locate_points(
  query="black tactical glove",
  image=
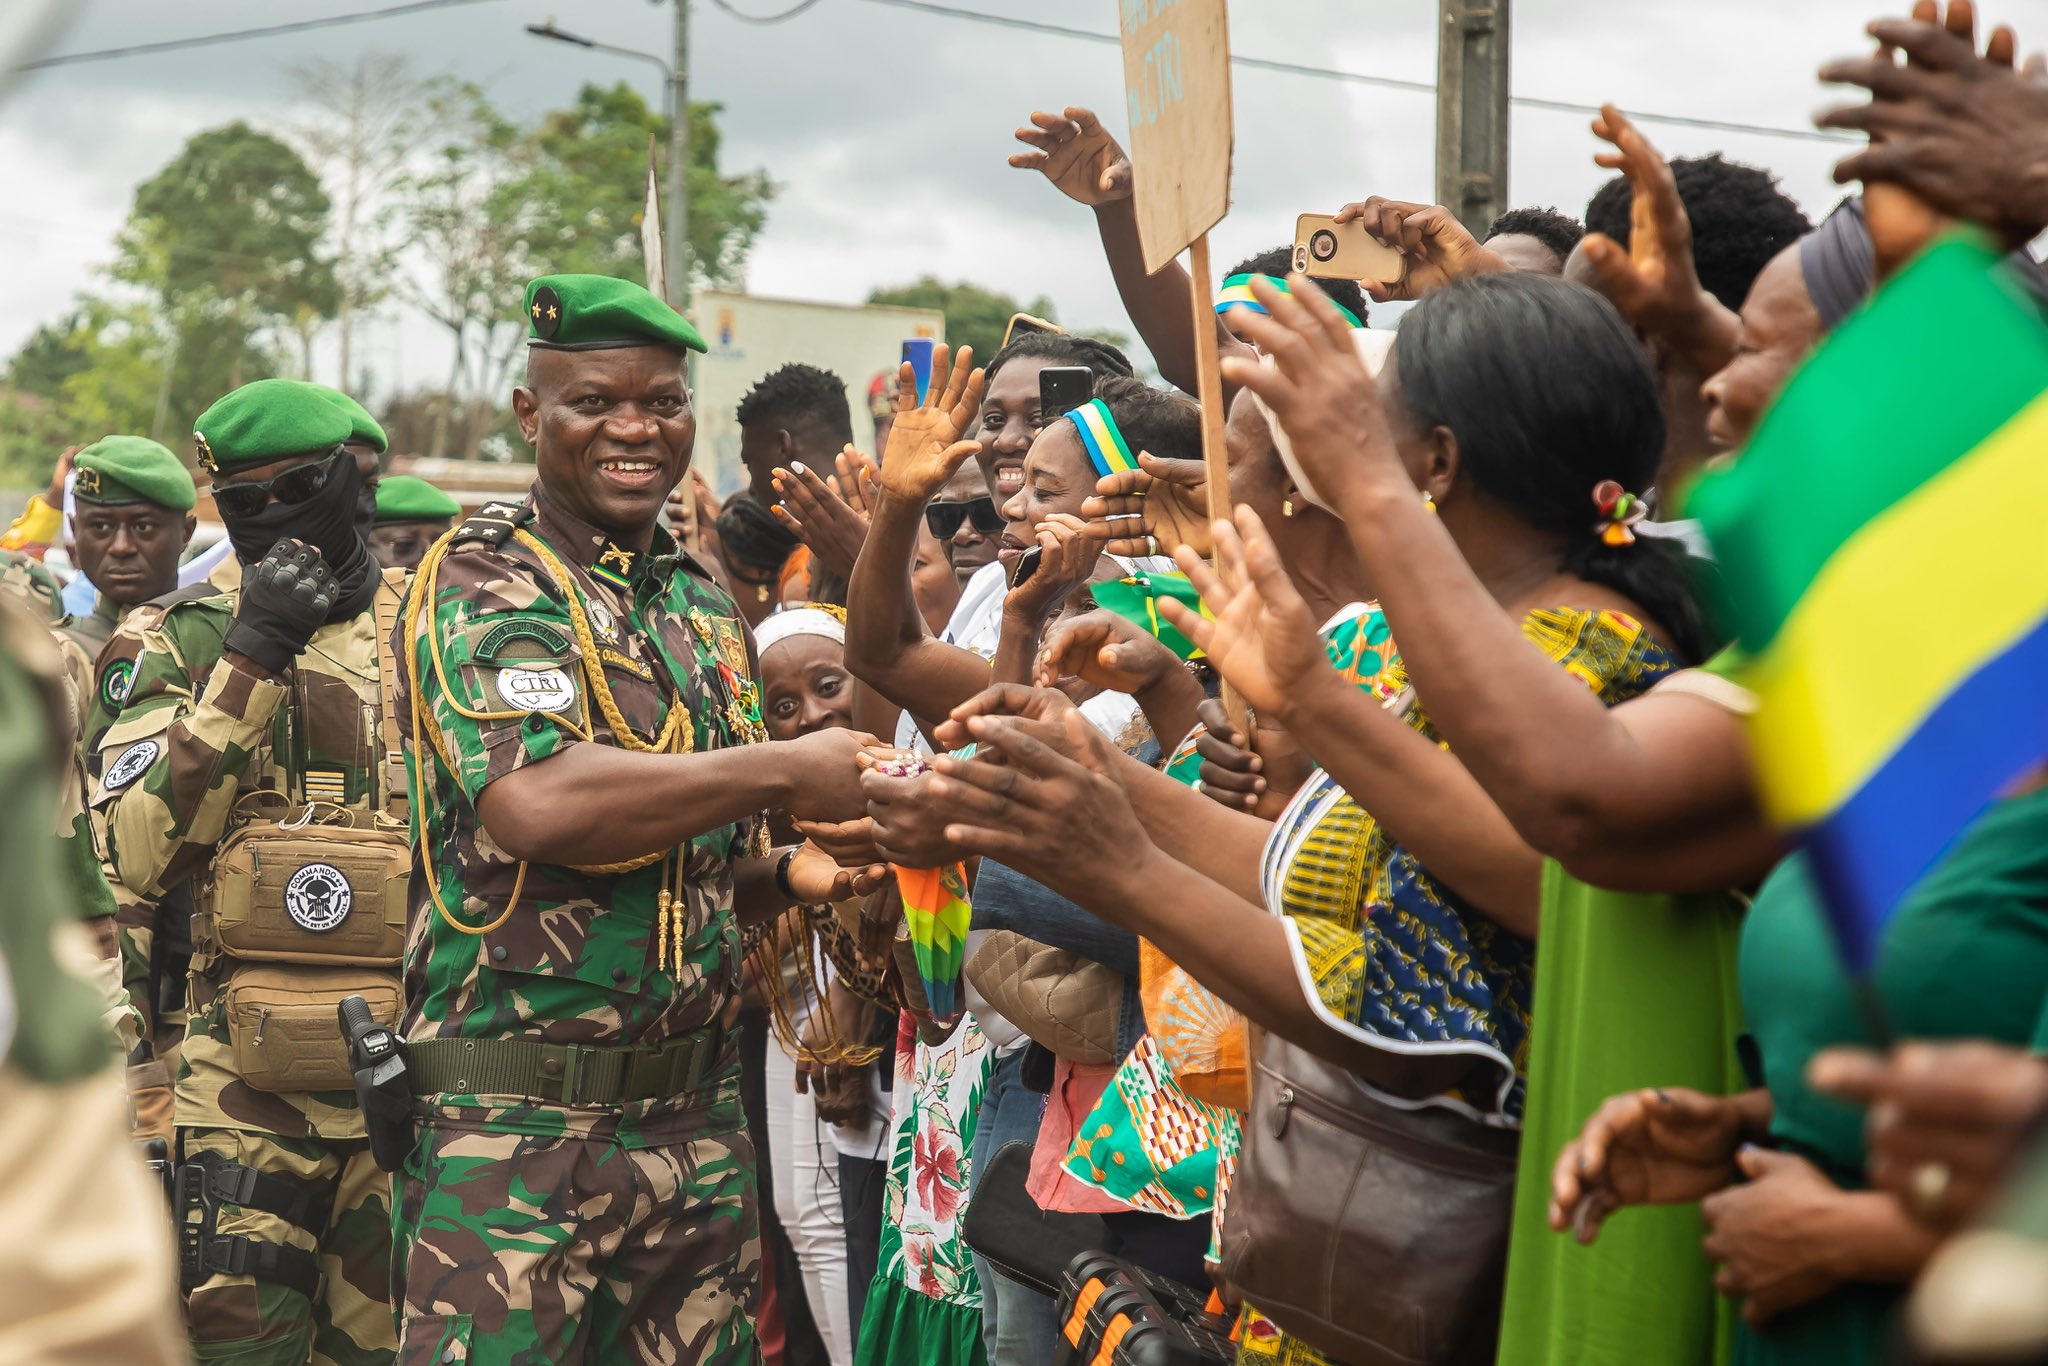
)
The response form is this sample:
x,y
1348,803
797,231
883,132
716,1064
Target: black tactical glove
x,y
284,600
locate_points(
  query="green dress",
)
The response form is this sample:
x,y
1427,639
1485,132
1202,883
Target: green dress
x,y
1631,991
1965,957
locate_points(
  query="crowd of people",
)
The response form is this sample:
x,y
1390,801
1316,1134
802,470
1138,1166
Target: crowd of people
x,y
619,924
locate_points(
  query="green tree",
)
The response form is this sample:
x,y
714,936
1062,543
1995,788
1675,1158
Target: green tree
x,y
975,316
586,180
226,241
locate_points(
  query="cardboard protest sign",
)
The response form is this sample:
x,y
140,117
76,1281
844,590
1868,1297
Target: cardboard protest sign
x,y
1177,89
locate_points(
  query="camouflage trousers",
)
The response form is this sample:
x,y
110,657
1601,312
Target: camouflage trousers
x,y
247,1322
524,1248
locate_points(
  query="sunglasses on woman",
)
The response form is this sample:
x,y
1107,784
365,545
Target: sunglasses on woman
x,y
299,484
945,518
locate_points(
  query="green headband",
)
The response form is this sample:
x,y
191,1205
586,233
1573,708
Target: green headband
x,y
1237,293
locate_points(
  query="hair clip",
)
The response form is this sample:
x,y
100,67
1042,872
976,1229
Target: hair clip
x,y
1619,511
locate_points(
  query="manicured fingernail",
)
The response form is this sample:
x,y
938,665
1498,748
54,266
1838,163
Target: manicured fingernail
x,y
797,465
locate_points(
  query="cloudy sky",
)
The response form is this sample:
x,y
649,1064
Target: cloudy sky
x,y
887,127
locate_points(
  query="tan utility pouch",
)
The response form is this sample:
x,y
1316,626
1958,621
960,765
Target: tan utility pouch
x,y
284,1028
311,893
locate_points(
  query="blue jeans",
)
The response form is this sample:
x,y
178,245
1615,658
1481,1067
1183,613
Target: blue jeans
x,y
1019,1327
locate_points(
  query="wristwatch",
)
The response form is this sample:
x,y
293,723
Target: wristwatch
x,y
782,873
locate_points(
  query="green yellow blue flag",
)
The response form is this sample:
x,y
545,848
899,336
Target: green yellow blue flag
x,y
1879,545
1136,598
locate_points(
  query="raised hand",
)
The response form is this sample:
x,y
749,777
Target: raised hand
x,y
1152,510
822,519
285,599
925,445
1319,389
1652,280
1965,132
1262,638
1260,775
1435,247
1659,1147
1074,153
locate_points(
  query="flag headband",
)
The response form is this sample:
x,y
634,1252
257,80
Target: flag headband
x,y
1107,449
1237,293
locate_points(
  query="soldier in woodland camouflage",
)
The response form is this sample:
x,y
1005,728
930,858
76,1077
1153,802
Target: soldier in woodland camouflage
x,y
588,780
252,754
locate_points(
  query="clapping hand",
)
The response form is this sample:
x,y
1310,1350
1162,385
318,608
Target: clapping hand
x,y
1151,510
1101,648
833,525
1075,154
925,444
1261,638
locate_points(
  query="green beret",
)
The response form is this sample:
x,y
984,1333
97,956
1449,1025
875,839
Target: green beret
x,y
599,313
404,498
362,427
132,469
269,420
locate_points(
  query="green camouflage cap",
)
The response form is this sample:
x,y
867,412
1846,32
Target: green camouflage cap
x,y
407,498
362,427
132,469
599,313
269,420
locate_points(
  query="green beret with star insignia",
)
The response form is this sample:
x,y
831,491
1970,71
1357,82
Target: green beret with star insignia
x,y
599,313
408,498
269,420
362,427
132,469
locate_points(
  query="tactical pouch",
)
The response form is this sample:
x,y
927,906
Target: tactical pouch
x,y
305,893
282,1023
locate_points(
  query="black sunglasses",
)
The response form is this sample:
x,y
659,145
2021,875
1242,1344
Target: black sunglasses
x,y
299,484
945,518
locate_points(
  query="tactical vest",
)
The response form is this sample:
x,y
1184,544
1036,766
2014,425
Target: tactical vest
x,y
304,903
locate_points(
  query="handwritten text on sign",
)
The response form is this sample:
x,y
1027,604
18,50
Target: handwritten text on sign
x,y
1177,94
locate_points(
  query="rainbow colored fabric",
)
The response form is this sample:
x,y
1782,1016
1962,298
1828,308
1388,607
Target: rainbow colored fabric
x,y
1900,483
936,910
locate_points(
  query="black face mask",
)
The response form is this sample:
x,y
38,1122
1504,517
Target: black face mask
x,y
331,522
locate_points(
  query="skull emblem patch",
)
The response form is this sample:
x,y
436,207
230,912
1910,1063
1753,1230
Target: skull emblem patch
x,y
318,897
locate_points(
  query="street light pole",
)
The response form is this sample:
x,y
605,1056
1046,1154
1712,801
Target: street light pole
x,y
678,215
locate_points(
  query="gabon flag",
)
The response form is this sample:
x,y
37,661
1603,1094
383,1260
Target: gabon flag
x,y
1882,544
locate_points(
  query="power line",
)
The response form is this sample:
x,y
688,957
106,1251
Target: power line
x,y
765,19
1361,78
239,35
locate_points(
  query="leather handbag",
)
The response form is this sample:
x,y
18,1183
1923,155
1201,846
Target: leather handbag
x,y
1377,1234
1024,1243
1061,1000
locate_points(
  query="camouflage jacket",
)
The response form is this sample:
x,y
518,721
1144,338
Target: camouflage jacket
x,y
577,959
201,746
32,583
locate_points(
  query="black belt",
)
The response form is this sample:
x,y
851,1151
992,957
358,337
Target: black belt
x,y
565,1074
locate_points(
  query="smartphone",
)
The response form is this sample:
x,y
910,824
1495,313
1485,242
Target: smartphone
x,y
1330,250
918,351
1020,323
1026,566
1063,388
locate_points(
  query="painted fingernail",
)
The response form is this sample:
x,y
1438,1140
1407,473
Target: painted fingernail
x,y
798,466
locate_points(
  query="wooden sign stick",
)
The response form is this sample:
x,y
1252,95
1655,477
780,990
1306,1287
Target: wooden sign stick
x,y
1215,457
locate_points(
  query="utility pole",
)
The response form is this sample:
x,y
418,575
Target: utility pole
x,y
677,218
1472,110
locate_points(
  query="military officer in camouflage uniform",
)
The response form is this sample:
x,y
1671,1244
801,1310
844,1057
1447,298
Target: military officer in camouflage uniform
x,y
255,755
589,773
411,515
133,521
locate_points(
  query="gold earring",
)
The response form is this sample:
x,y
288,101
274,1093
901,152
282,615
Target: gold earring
x,y
1429,501
1286,507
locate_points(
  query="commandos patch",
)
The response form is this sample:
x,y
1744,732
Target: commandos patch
x,y
116,683
536,689
132,763
318,897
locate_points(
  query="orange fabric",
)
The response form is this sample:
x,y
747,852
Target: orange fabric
x,y
1205,1043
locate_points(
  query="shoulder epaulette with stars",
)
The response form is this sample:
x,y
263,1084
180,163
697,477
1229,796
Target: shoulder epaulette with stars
x,y
493,523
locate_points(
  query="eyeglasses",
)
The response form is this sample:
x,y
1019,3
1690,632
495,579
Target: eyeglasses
x,y
300,484
945,518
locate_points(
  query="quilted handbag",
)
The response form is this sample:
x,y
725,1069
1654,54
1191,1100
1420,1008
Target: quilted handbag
x,y
1061,1000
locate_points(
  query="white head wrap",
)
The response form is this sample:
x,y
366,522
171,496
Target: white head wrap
x,y
798,621
1374,346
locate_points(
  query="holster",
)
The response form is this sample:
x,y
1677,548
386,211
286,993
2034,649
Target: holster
x,y
204,1180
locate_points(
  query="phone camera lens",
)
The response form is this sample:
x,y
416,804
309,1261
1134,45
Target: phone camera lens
x,y
1323,245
